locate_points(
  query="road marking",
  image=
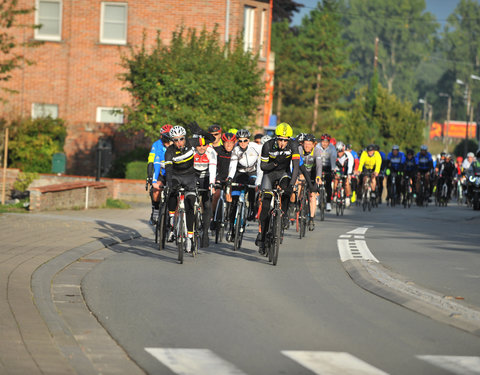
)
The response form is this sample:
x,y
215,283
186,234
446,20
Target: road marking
x,y
357,248
193,361
456,364
332,363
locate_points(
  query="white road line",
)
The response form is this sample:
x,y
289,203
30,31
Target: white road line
x,y
193,361
345,236
361,230
456,364
332,363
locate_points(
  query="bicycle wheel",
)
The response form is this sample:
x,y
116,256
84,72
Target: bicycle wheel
x,y
303,218
219,222
197,239
393,197
238,224
180,237
323,202
276,237
160,230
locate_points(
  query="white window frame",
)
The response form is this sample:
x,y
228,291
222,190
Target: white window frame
x,y
102,15
38,106
248,28
99,114
262,33
51,37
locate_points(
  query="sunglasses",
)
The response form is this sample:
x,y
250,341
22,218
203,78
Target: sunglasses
x,y
283,139
242,140
216,134
178,139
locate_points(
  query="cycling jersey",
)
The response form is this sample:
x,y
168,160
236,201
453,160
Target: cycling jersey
x,y
424,162
344,164
326,158
370,163
397,162
410,165
447,169
206,164
223,162
246,161
157,157
275,159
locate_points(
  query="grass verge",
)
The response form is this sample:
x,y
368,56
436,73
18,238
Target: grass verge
x,y
116,203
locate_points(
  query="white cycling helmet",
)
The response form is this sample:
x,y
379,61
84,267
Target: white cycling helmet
x,y
265,139
340,146
177,131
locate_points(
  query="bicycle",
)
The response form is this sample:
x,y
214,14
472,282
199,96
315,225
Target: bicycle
x,y
422,194
408,192
220,218
340,196
198,223
392,191
367,193
240,221
161,226
322,199
180,228
273,237
441,197
302,209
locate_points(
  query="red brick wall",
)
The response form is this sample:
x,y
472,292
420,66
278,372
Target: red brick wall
x,y
80,74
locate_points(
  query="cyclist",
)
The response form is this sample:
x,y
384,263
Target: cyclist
x,y
180,172
424,163
446,173
409,171
468,161
473,171
372,162
277,155
353,177
381,175
258,138
156,171
395,164
308,166
216,131
343,169
243,169
326,164
205,164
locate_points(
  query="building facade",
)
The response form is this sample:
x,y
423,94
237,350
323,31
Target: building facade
x,y
75,70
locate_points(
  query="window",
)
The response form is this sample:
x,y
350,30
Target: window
x,y
110,115
48,15
262,33
44,110
113,27
248,28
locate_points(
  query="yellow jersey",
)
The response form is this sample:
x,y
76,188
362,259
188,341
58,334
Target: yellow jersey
x,y
370,163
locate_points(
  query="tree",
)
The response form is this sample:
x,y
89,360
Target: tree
x,y
33,143
194,78
392,121
10,56
283,10
406,34
312,65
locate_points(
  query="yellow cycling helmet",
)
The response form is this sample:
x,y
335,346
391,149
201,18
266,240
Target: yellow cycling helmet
x,y
284,130
233,131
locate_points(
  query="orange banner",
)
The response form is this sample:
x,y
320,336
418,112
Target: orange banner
x,y
456,129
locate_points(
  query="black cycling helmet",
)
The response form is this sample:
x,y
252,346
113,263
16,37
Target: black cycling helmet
x,y
376,147
309,137
214,128
370,147
410,151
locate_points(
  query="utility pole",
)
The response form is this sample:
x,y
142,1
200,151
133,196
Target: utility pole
x,y
449,107
465,149
315,102
5,157
375,59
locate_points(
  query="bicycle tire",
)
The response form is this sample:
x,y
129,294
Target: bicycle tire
x,y
322,204
303,219
196,234
342,208
180,239
160,230
219,222
238,223
276,237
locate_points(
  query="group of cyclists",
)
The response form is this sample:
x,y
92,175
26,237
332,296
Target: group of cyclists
x,y
211,162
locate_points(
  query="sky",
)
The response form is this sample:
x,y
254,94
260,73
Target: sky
x,y
440,8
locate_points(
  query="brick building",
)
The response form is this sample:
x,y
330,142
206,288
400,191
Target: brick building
x,y
75,72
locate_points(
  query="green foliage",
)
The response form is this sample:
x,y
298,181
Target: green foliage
x,y
32,143
11,53
24,180
116,203
472,146
196,77
119,166
136,170
406,35
392,122
311,63
20,207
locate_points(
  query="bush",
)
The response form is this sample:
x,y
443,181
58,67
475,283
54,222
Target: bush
x,y
119,166
116,203
24,180
136,170
33,143
472,146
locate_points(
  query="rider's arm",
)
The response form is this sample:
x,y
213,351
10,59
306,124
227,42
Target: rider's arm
x,y
265,164
351,162
169,165
333,156
212,164
378,162
195,129
363,157
295,162
232,168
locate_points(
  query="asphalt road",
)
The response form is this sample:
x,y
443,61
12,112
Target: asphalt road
x,y
303,316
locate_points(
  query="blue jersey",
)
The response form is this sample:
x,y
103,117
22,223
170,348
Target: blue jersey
x,y
354,154
410,164
424,162
157,157
396,162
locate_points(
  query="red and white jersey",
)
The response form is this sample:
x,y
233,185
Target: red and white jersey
x,y
206,164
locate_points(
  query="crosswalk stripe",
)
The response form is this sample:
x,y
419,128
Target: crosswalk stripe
x,y
457,364
193,361
332,363
359,230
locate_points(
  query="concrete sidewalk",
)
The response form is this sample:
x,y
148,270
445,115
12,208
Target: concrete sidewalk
x,y
27,243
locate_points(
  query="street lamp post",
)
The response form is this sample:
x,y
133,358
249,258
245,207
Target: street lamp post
x,y
469,107
445,133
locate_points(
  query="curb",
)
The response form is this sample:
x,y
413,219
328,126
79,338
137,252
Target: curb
x,y
377,279
56,287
